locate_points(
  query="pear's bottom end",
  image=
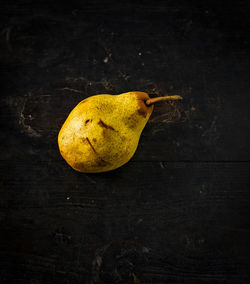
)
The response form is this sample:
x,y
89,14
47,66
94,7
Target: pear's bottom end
x,y
82,169
91,166
94,165
94,171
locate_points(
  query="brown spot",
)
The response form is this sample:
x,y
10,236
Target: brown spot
x,y
94,140
143,109
142,113
132,121
82,102
104,132
104,125
90,144
88,120
100,161
78,166
76,151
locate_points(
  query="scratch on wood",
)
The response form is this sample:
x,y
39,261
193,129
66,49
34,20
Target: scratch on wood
x,y
28,129
72,90
91,180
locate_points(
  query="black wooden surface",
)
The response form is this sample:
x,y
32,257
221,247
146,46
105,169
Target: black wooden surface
x,y
178,212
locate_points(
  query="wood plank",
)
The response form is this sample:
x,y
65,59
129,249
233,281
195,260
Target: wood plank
x,y
178,212
51,77
173,221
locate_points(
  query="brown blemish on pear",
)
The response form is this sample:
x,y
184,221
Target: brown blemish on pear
x,y
90,144
104,125
100,160
142,113
87,121
82,102
143,109
102,163
78,166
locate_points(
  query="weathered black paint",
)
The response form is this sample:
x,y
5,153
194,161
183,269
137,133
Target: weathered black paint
x,y
179,211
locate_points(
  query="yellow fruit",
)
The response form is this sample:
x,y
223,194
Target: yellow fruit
x,y
102,132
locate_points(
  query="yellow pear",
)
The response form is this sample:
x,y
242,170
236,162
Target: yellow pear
x,y
102,132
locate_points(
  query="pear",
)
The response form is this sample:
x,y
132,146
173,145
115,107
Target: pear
x,y
102,132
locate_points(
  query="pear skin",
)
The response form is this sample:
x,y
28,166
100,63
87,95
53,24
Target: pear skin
x,y
102,132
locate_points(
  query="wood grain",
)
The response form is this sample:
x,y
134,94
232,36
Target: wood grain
x,y
178,212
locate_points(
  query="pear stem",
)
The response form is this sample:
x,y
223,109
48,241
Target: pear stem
x,y
159,99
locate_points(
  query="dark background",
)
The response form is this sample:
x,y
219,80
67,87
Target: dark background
x,y
178,212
